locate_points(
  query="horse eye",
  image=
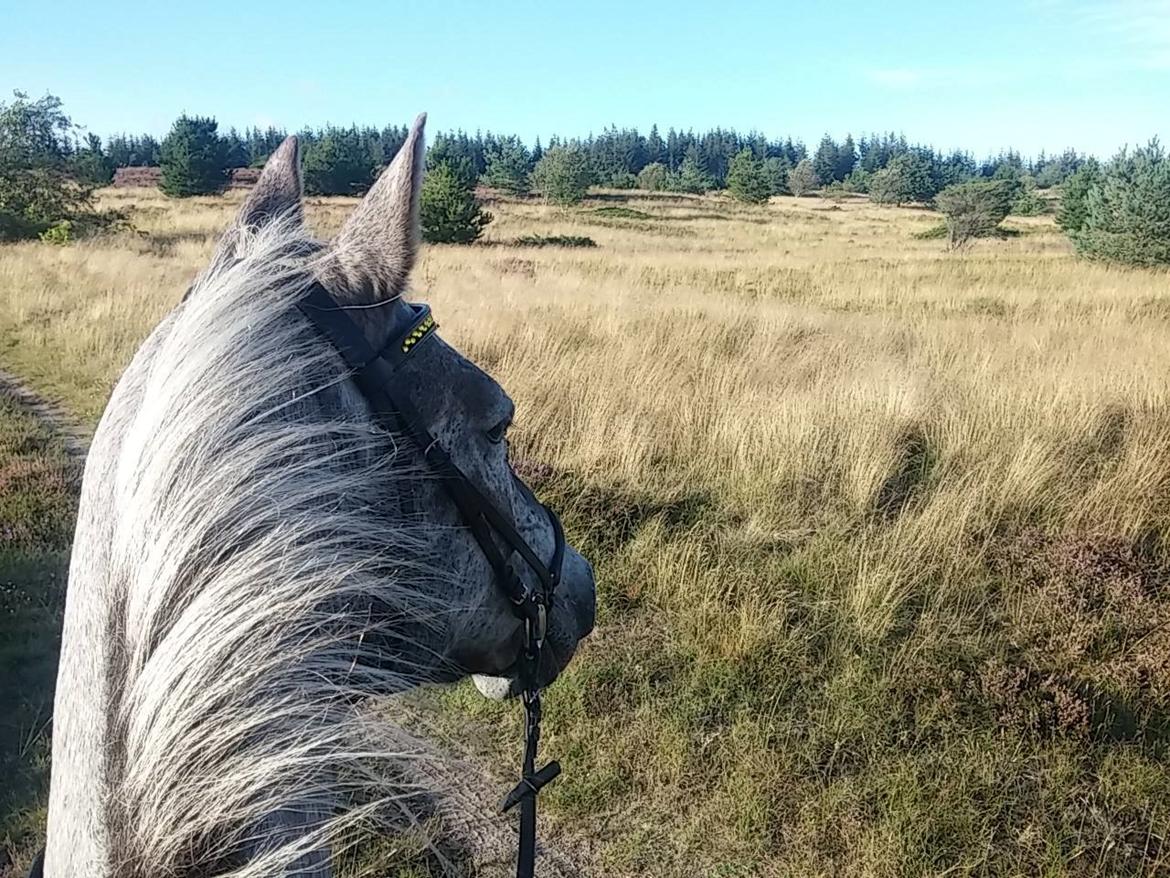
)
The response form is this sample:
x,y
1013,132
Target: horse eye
x,y
497,433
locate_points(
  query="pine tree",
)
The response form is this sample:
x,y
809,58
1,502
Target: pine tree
x,y
825,160
746,178
776,172
537,153
456,151
508,166
338,162
193,158
655,147
235,150
449,211
692,177
846,159
675,152
1074,208
1127,217
91,165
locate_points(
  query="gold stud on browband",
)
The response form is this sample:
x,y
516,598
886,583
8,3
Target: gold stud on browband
x,y
417,333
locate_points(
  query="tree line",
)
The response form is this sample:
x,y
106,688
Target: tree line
x,y
344,160
1118,210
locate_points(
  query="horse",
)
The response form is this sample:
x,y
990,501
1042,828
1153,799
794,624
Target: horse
x,y
259,553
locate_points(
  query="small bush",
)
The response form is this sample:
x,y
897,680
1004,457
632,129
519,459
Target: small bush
x,y
58,233
1029,203
554,241
449,211
563,175
654,177
857,181
691,178
38,183
975,209
623,213
803,179
933,233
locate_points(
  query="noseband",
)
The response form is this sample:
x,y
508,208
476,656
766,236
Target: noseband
x,y
374,373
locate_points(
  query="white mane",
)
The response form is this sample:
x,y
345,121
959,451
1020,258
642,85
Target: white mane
x,y
250,540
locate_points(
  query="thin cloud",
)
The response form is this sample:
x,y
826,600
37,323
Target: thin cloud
x,y
1140,27
895,77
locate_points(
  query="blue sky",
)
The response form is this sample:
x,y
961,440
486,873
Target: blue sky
x,y
1033,74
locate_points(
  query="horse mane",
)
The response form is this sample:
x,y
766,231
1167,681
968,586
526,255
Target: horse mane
x,y
263,579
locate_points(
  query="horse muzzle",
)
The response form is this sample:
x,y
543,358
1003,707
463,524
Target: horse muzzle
x,y
572,618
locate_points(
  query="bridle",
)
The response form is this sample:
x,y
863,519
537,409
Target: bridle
x,y
374,373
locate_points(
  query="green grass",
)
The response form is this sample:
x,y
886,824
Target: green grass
x,y
1029,738
37,506
622,213
554,241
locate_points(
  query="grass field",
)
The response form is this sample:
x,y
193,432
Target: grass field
x,y
880,530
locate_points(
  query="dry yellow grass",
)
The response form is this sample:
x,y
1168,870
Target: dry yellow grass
x,y
879,526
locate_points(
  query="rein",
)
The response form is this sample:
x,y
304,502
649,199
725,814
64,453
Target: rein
x,y
374,373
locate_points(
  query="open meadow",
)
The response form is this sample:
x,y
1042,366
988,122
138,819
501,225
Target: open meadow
x,y
881,531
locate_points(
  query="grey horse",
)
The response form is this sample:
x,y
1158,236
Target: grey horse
x,y
256,556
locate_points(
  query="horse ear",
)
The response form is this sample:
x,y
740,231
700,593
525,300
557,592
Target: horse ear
x,y
277,194
376,248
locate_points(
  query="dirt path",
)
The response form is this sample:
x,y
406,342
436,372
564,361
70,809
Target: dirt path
x,y
75,439
473,837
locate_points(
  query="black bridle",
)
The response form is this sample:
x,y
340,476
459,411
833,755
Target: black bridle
x,y
374,373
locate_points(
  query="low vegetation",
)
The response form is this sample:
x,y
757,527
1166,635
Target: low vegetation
x,y
803,179
976,209
37,502
880,529
555,241
40,184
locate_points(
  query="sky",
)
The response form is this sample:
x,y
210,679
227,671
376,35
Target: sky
x,y
1030,74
